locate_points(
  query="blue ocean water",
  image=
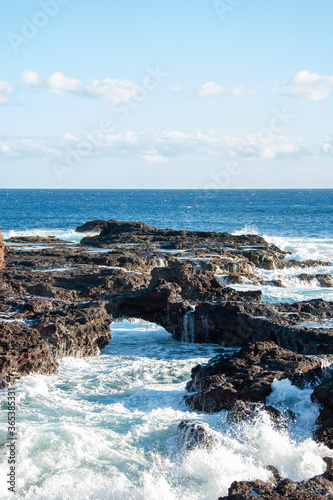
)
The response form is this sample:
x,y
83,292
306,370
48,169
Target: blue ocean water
x,y
307,213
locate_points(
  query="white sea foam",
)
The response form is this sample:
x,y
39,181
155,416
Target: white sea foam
x,y
105,428
63,234
247,229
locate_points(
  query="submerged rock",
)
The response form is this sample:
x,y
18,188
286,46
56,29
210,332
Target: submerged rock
x,y
197,434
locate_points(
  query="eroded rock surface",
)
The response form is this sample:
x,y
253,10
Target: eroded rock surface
x,y
3,250
248,376
320,486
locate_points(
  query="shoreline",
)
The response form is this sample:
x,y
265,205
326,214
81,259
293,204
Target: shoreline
x,y
58,299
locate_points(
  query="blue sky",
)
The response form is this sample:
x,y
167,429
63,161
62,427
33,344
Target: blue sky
x,y
177,94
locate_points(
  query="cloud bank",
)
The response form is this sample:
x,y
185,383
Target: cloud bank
x,y
308,86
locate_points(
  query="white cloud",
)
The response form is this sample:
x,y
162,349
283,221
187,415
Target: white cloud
x,y
306,85
159,147
6,92
327,146
29,77
107,89
112,90
153,157
58,83
211,88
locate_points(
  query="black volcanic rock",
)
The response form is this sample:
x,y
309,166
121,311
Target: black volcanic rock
x,y
248,376
320,486
92,226
138,232
49,331
323,394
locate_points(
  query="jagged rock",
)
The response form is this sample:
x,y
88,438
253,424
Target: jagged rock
x,y
324,280
248,376
197,285
3,250
138,232
82,283
323,394
197,434
37,240
243,411
320,486
91,226
48,333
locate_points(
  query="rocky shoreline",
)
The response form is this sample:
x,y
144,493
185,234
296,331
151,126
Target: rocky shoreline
x,y
59,298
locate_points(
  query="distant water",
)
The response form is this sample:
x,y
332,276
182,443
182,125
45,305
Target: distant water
x,y
301,213
105,427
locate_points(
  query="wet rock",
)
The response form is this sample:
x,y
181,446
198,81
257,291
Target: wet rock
x,y
198,285
248,376
243,411
46,334
320,486
3,250
37,240
278,283
138,232
197,434
323,394
92,226
324,280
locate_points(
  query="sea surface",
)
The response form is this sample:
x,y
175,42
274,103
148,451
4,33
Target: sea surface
x,y
106,427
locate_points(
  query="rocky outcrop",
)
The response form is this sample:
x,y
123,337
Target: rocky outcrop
x,y
92,226
58,299
242,411
197,434
248,376
320,486
138,232
3,250
323,394
323,280
38,332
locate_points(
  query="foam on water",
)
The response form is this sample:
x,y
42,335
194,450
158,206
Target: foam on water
x,y
63,234
105,427
304,248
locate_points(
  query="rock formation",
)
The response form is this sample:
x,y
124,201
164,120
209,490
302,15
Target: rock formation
x,y
3,250
59,298
247,376
320,486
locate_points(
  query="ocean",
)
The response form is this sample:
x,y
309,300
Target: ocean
x,y
105,427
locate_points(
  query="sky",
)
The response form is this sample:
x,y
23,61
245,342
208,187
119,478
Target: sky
x,y
198,94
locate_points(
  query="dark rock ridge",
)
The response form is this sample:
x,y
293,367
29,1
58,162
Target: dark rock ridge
x,y
320,486
114,231
248,376
323,394
92,226
44,331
